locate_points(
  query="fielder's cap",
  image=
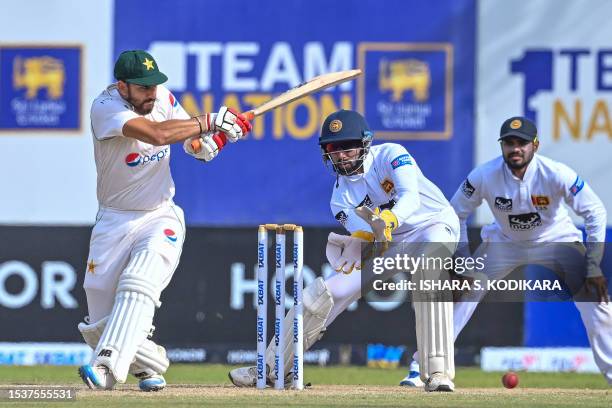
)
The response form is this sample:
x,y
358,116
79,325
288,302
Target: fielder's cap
x,y
344,125
138,67
520,127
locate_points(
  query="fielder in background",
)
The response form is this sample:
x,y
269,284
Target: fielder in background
x,y
383,177
526,192
138,236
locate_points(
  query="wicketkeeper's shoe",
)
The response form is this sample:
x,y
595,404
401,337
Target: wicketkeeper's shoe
x,y
247,377
155,382
244,376
439,382
413,378
97,377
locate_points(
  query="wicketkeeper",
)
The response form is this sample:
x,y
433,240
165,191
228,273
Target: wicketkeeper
x,y
384,179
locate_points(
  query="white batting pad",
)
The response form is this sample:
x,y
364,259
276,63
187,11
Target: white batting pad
x,y
130,321
150,358
434,329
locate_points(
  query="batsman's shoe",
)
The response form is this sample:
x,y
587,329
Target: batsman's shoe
x,y
413,378
155,382
97,377
440,383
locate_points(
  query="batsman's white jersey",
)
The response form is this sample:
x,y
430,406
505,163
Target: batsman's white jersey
x,y
391,179
137,240
528,214
132,175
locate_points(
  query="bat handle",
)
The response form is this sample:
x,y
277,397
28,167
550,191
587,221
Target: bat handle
x,y
197,146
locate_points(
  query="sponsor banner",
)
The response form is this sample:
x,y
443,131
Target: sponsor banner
x,y
570,359
51,71
417,89
42,300
321,357
44,90
555,74
75,354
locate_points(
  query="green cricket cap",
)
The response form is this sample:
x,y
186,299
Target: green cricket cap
x,y
138,67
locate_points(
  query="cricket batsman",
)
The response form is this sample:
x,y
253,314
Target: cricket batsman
x,y
386,179
138,235
528,194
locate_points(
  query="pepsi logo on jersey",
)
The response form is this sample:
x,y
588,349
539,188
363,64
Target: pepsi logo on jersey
x,y
134,159
170,235
173,101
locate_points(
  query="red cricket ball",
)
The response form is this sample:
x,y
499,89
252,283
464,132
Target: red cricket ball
x,y
510,379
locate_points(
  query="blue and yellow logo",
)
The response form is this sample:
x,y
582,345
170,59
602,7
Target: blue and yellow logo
x,y
401,76
407,90
43,89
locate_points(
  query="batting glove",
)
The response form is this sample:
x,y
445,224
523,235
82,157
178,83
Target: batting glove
x,y
210,146
234,124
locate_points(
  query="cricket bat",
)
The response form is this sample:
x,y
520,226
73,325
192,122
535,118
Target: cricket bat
x,y
314,85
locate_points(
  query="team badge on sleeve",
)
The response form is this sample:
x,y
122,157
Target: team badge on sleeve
x,y
342,217
577,186
467,188
400,161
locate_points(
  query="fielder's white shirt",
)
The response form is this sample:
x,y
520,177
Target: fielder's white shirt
x,y
391,179
531,209
132,175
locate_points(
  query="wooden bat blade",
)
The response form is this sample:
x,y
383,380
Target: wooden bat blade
x,y
314,85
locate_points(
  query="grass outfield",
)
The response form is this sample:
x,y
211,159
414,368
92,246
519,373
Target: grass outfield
x,y
197,385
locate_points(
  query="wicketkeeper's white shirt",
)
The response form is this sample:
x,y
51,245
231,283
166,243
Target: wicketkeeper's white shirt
x,y
391,177
132,175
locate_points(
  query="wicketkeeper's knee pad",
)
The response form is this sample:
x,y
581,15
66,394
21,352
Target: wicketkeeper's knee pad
x,y
318,303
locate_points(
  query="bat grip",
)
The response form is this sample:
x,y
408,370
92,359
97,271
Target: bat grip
x,y
197,146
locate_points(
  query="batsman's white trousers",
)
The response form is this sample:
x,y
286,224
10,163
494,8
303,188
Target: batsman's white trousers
x,y
503,257
116,237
